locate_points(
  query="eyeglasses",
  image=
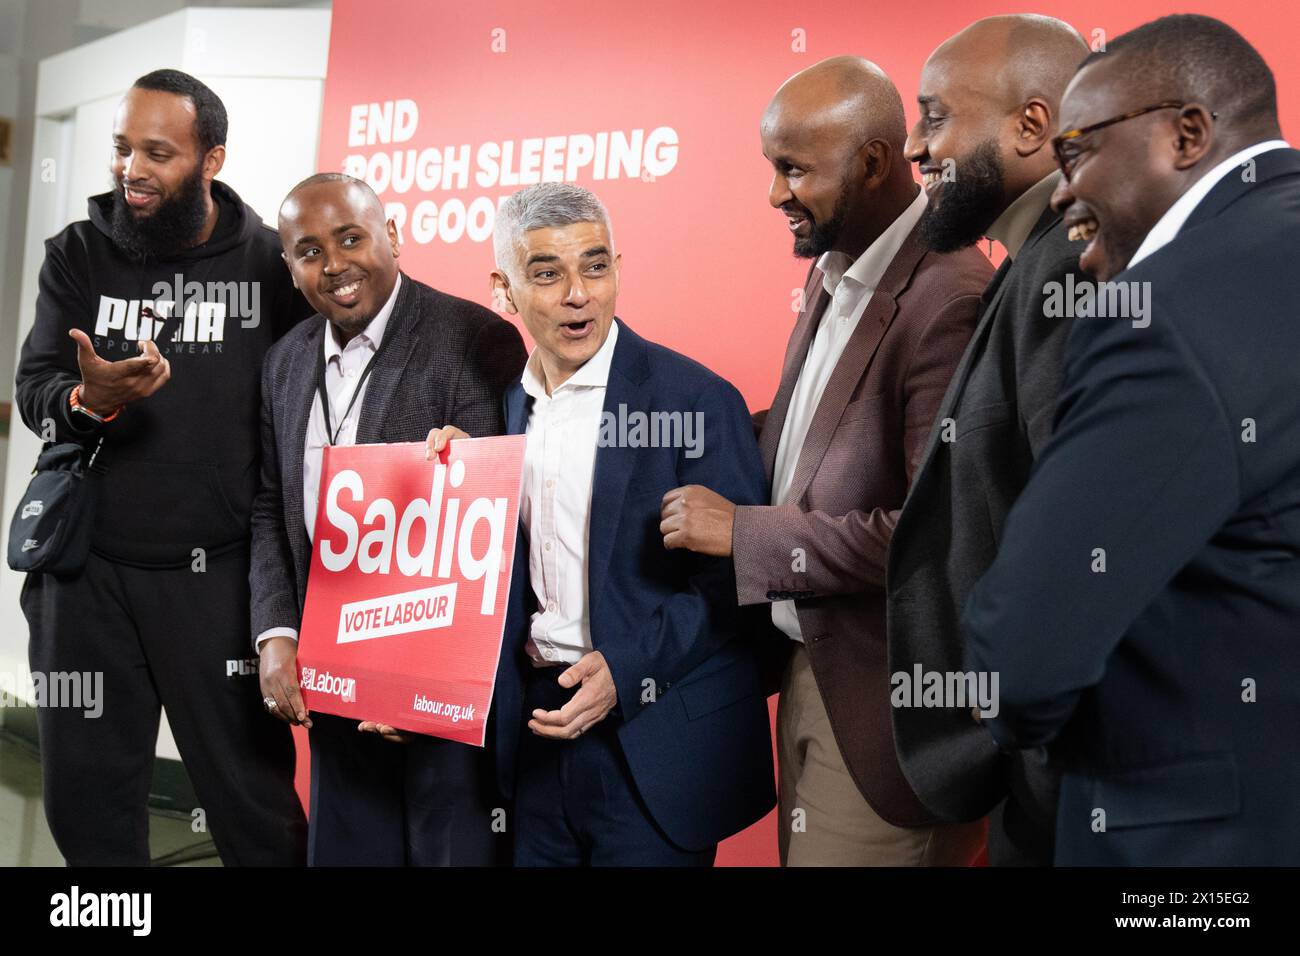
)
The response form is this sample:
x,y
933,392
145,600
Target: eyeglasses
x,y
1067,152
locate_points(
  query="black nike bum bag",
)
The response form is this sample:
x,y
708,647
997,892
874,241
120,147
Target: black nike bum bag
x,y
50,530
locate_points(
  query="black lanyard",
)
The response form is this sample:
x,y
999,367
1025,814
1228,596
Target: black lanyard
x,y
332,436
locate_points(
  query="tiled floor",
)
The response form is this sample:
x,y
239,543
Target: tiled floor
x,y
25,838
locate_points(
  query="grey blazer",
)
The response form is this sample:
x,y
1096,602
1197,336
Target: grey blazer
x,y
1001,400
445,361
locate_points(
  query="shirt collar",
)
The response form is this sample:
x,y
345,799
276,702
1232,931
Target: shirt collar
x,y
594,373
1017,221
869,268
1168,225
371,335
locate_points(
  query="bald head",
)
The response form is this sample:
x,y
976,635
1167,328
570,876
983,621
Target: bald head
x,y
834,134
332,187
846,94
990,100
1006,61
340,251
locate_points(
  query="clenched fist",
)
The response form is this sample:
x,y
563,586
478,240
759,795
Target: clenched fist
x,y
697,519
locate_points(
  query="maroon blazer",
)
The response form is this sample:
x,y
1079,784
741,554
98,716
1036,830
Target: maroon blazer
x,y
862,449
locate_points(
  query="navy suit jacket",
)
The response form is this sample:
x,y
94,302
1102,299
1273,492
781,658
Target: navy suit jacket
x,y
1169,683
699,746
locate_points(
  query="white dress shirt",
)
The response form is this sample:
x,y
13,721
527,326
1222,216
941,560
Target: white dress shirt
x,y
555,503
343,367
1168,225
850,285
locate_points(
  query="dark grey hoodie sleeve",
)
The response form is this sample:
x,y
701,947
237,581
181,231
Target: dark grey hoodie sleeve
x,y
47,367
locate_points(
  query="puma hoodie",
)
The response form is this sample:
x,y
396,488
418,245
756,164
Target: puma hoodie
x,y
179,469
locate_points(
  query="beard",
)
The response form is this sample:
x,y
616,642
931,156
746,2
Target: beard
x,y
822,236
968,204
173,226
352,325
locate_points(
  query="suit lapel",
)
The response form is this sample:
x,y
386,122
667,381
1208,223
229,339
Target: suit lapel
x,y
992,301
400,339
302,394
519,405
627,386
994,288
854,362
993,294
815,300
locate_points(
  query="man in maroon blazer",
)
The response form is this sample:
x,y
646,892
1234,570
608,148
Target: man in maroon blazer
x,y
883,325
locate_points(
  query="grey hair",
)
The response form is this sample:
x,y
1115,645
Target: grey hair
x,y
542,206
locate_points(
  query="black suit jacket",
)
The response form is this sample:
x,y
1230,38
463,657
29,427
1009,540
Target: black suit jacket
x,y
1170,681
445,361
997,417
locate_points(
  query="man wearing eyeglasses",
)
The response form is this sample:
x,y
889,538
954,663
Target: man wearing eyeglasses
x,y
989,100
1142,609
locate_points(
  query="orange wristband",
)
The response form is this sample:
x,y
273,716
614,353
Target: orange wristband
x,y
74,401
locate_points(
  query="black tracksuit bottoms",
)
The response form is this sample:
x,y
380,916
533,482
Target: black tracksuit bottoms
x,y
176,638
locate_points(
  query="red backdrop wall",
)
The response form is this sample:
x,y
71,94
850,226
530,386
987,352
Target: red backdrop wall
x,y
707,267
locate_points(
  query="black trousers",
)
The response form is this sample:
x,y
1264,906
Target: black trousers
x,y
576,801
428,802
174,638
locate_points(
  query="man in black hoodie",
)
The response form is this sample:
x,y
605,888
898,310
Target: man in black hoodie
x,y
160,608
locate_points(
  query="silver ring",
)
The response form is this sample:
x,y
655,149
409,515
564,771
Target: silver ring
x,y
270,703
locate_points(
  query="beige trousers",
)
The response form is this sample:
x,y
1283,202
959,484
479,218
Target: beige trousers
x,y
824,819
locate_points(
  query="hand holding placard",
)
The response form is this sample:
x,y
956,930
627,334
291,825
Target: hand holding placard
x,y
408,585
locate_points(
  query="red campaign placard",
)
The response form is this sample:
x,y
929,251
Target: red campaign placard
x,y
410,574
